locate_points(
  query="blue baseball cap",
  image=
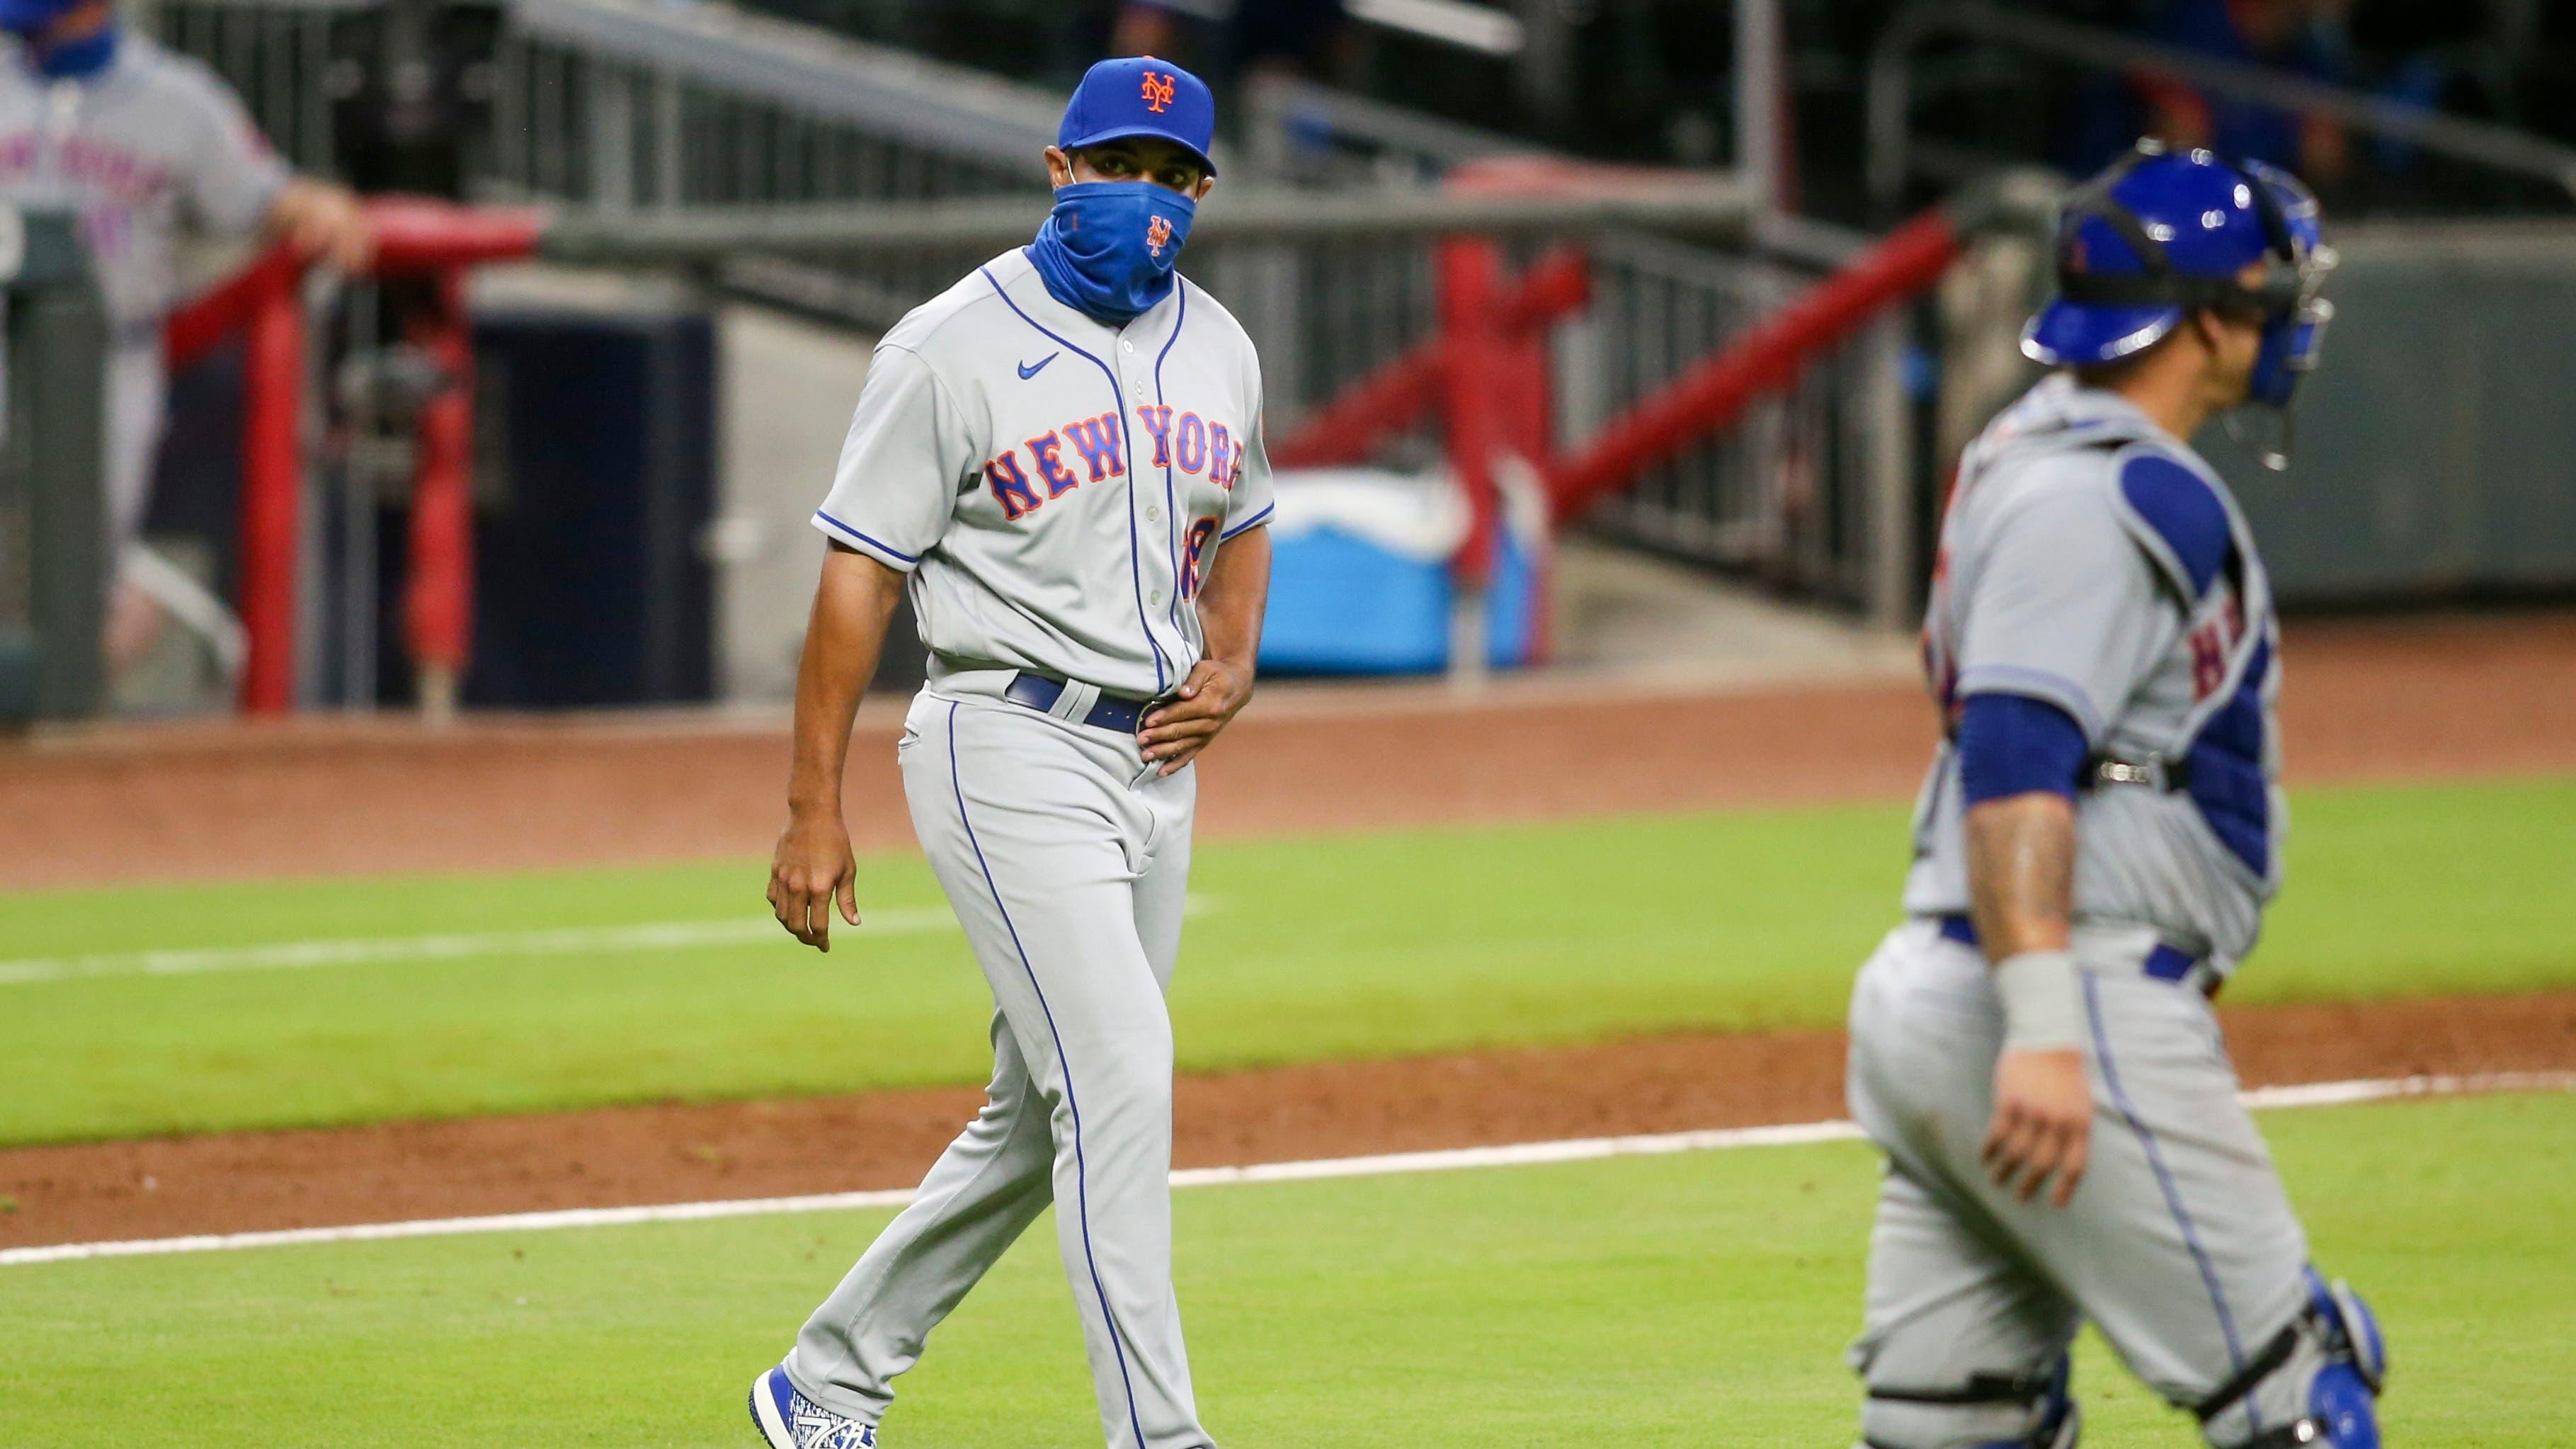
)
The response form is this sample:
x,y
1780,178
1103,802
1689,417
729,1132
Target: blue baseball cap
x,y
1136,96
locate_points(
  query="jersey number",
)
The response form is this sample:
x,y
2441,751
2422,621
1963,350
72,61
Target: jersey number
x,y
1201,533
2210,645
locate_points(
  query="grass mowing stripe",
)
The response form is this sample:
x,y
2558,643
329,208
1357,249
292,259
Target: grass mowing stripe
x,y
466,946
1393,1164
1404,943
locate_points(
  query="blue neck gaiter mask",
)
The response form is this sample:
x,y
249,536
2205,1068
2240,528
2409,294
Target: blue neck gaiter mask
x,y
1108,247
75,59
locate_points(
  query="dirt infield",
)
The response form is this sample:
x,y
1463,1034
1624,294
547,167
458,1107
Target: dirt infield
x,y
2435,697
2447,696
668,1153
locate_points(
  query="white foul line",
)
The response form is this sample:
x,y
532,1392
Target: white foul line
x,y
1525,1154
470,945
452,946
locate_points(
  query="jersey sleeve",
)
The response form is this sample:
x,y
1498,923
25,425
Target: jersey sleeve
x,y
908,452
1249,505
2063,608
237,175
2011,744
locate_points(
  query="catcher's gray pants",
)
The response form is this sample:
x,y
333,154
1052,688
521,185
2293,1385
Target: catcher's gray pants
x,y
2180,1245
1066,862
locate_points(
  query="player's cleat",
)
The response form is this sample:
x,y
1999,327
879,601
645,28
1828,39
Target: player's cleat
x,y
789,1420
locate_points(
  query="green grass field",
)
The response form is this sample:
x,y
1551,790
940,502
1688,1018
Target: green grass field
x,y
1700,1300
1309,950
1687,1301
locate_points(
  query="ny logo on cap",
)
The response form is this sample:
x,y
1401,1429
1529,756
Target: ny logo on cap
x,y
1158,92
1158,234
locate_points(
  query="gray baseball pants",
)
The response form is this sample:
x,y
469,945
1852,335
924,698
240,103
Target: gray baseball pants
x,y
1067,863
2180,1245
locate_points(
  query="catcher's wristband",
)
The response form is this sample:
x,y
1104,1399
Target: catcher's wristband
x,y
2043,1006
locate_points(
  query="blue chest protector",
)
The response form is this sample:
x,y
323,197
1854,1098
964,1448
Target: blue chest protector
x,y
2198,544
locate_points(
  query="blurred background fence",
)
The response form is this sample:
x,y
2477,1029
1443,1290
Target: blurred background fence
x,y
615,105
2010,84
1740,376
611,105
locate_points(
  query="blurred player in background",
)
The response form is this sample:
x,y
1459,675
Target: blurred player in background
x,y
2290,36
142,144
2035,1050
1238,40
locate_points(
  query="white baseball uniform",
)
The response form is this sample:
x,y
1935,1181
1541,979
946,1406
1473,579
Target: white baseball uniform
x,y
153,142
2091,561
1057,489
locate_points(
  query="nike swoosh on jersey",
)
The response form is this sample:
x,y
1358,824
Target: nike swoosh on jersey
x,y
1031,369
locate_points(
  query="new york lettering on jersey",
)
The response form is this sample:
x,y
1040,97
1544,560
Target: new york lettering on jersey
x,y
149,144
1060,487
1203,448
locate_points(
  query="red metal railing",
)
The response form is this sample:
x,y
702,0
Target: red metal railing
x,y
1765,359
1399,394
264,304
1486,372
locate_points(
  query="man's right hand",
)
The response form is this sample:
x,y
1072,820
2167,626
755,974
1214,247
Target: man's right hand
x,y
812,865
2021,872
811,870
2043,1124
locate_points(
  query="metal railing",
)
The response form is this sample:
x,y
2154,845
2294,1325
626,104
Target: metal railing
x,y
1813,492
1895,153
277,54
672,128
630,106
1328,284
618,103
622,104
1316,135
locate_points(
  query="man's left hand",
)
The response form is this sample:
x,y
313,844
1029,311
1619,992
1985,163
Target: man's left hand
x,y
1209,700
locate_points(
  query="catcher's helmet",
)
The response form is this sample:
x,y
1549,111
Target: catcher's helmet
x,y
2161,234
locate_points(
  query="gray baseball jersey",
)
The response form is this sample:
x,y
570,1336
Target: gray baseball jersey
x,y
1057,488
151,144
2091,561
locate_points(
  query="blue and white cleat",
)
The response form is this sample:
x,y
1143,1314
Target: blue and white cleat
x,y
789,1420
